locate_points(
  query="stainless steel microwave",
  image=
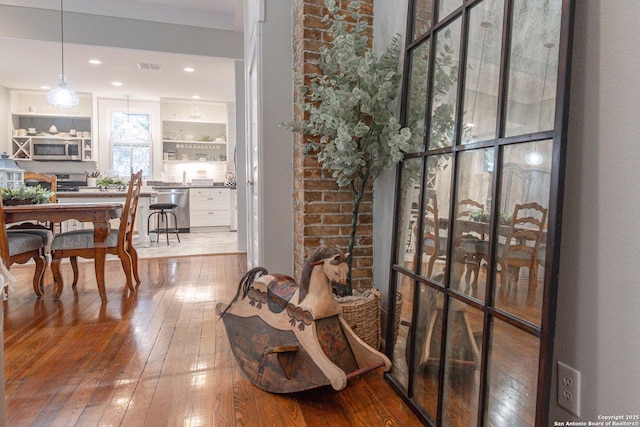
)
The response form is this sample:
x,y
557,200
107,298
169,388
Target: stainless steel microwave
x,y
56,149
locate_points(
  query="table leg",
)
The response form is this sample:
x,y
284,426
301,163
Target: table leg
x,y
100,234
141,222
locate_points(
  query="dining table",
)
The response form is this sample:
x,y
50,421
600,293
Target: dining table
x,y
98,213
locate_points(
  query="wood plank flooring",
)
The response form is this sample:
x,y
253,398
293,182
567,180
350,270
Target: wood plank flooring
x,y
156,357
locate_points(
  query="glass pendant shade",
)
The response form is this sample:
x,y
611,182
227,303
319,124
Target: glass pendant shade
x,y
62,95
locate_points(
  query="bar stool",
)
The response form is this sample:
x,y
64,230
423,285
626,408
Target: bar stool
x,y
161,211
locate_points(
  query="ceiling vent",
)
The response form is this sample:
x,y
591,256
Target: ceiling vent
x,y
148,66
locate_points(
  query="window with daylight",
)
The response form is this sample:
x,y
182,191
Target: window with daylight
x,y
130,143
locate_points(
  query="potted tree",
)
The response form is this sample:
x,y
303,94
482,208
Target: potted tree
x,y
349,109
349,117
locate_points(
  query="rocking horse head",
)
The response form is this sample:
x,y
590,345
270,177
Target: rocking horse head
x,y
333,263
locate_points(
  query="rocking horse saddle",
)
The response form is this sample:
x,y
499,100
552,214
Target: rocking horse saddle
x,y
280,290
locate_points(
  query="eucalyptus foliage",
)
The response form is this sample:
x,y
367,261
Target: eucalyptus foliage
x,y
34,194
348,108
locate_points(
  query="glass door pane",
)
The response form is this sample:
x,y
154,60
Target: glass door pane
x,y
427,350
408,214
445,7
513,375
462,365
417,95
436,197
472,224
533,66
482,72
522,229
422,17
445,89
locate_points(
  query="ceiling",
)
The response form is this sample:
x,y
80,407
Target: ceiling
x,y
213,78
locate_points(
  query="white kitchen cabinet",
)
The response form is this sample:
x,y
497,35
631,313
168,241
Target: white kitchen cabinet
x,y
34,119
209,207
194,130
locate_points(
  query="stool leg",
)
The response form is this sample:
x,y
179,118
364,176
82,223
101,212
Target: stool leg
x,y
166,225
175,222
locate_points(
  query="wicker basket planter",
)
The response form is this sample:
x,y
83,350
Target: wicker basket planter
x,y
362,312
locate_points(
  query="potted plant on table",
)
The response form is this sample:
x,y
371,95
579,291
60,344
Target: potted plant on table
x,y
26,195
349,110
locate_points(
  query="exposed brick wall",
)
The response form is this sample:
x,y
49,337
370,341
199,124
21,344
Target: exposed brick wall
x,y
322,211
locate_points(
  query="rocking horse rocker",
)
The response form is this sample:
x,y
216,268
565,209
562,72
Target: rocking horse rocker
x,y
290,337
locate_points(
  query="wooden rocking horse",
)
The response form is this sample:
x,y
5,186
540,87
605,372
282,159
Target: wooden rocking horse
x,y
290,337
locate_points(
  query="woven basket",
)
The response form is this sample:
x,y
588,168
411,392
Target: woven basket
x,y
363,315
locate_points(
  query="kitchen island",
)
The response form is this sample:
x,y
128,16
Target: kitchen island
x,y
88,194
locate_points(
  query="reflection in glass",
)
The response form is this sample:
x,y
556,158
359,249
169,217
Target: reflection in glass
x,y
422,18
445,79
533,67
513,374
462,364
408,213
400,361
483,72
522,229
445,7
435,207
417,95
427,350
471,229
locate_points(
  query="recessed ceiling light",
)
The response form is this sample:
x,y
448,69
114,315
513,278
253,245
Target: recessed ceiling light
x,y
195,96
95,61
189,69
45,87
116,84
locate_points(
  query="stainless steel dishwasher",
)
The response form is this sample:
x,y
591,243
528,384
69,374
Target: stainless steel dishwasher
x,y
180,197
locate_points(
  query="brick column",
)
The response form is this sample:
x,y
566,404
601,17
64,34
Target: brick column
x,y
322,211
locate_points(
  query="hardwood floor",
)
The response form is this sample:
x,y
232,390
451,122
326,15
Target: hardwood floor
x,y
157,357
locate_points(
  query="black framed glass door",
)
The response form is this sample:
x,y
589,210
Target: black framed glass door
x,y
476,227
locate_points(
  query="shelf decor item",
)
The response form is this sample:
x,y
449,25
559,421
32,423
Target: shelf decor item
x,y
350,121
62,95
11,176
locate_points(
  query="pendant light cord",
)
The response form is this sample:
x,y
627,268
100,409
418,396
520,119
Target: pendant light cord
x,y
549,46
484,25
62,32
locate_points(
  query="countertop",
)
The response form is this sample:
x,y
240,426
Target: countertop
x,y
94,192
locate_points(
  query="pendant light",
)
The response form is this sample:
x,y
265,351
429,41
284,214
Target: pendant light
x,y
62,95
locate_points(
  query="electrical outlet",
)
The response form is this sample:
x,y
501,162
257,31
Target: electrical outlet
x,y
569,388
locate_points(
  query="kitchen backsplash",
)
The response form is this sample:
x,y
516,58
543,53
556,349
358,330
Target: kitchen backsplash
x,y
186,171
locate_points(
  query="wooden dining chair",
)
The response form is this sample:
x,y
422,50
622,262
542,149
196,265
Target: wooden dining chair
x,y
472,252
433,244
20,248
44,230
79,243
522,245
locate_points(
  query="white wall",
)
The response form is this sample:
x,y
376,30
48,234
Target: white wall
x,y
270,34
390,19
598,316
41,24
